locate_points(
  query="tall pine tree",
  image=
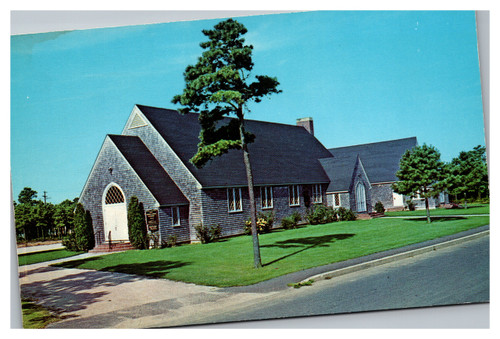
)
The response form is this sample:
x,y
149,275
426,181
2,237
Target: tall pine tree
x,y
219,85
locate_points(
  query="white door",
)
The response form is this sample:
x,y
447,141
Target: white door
x,y
397,199
360,198
115,215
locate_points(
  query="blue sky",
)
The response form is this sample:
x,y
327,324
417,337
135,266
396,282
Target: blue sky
x,y
362,76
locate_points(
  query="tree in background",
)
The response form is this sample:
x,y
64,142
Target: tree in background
x,y
137,231
63,216
27,196
421,172
218,86
43,214
24,214
468,174
24,221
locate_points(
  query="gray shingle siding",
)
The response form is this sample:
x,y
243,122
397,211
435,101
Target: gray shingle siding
x,y
216,211
182,232
101,177
176,169
382,193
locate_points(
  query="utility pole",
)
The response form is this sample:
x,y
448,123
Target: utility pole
x,y
45,197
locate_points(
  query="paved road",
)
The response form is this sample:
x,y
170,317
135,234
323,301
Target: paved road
x,y
455,275
94,299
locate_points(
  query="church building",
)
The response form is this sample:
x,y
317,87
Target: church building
x,y
292,171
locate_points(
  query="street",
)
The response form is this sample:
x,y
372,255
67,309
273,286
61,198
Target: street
x,y
455,275
95,299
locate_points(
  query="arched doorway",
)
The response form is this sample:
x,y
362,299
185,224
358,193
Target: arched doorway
x,y
360,198
114,210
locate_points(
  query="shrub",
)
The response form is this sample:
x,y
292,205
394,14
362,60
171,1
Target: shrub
x,y
320,214
70,242
379,207
410,204
82,239
137,231
208,234
171,241
153,239
291,221
265,223
345,214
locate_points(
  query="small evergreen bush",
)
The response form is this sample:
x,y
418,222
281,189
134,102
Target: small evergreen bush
x,y
320,214
137,231
410,204
345,214
291,221
171,241
70,242
208,234
82,239
379,207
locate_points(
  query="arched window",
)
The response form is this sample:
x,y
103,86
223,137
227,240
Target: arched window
x,y
114,196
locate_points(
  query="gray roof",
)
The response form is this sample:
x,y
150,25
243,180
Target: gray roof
x,y
149,170
281,154
380,161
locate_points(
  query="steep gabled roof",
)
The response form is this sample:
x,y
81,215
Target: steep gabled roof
x,y
149,170
380,161
281,154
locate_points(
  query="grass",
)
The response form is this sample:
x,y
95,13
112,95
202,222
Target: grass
x,y
471,209
34,258
229,262
35,316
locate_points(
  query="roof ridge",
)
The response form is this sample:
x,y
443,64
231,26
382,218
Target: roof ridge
x,y
228,117
371,143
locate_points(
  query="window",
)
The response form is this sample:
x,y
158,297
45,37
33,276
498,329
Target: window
x,y
317,198
176,218
114,196
266,197
234,199
336,200
294,198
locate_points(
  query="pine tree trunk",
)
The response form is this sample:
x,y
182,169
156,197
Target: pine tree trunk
x,y
465,199
427,210
251,195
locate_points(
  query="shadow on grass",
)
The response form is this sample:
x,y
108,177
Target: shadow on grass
x,y
156,269
306,243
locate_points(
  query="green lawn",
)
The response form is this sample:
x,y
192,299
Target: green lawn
x,y
229,262
33,258
471,209
35,316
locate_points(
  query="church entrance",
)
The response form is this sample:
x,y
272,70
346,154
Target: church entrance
x,y
115,214
360,198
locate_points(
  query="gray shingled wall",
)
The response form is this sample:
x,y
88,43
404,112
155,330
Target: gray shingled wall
x,y
177,171
215,207
382,193
100,177
166,230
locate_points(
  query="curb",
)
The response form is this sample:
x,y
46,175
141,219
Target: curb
x,y
392,258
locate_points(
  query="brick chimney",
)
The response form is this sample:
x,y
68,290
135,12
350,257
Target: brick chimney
x,y
307,123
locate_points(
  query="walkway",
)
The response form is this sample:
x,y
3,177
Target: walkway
x,y
97,299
